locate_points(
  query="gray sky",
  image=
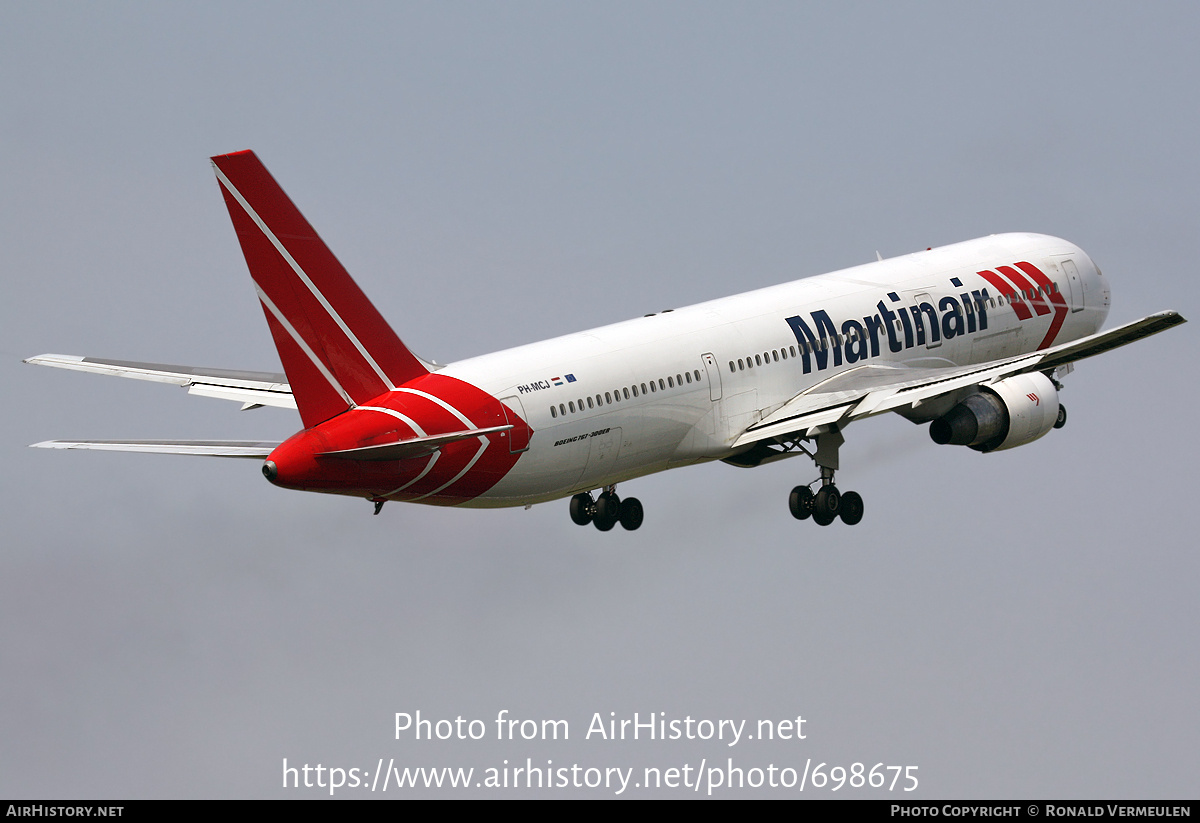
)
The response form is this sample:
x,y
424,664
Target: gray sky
x,y
1015,625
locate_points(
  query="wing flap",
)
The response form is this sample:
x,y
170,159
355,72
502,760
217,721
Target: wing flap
x,y
203,448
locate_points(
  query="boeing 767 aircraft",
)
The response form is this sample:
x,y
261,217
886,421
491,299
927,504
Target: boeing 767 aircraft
x,y
969,338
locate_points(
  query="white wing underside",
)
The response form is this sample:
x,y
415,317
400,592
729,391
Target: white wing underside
x,y
873,389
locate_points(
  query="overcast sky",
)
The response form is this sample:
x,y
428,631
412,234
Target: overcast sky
x,y
1020,625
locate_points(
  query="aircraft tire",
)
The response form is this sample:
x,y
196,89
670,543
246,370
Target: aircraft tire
x,y
827,501
1062,417
800,502
631,513
608,512
581,505
851,509
823,518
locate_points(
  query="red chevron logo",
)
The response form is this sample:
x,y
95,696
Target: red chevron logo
x,y
1017,286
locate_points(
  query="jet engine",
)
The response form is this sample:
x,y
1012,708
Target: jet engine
x,y
1002,415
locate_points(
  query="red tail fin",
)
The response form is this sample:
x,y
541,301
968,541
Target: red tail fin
x,y
337,350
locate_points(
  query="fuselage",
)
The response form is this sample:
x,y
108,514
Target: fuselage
x,y
602,406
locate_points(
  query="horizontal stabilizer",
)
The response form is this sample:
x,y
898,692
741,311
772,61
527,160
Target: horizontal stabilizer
x,y
251,387
414,447
203,448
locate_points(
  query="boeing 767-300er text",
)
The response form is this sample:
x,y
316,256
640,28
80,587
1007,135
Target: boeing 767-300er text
x,y
970,338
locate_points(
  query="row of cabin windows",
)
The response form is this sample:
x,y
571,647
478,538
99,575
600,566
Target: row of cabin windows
x,y
763,359
626,393
971,307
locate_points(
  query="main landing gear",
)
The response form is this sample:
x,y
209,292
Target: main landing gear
x,y
827,504
607,510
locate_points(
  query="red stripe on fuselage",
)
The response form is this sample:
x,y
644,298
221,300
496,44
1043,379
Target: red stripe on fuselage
x,y
1007,290
1021,283
1060,304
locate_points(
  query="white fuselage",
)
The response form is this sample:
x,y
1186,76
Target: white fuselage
x,y
679,387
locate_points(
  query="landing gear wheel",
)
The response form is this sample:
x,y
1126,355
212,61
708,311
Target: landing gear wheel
x,y
851,508
1062,417
800,501
827,501
823,518
608,511
581,509
631,513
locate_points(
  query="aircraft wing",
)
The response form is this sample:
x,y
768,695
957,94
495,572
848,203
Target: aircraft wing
x,y
250,388
204,448
874,389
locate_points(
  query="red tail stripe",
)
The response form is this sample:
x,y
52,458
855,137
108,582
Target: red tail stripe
x,y
316,398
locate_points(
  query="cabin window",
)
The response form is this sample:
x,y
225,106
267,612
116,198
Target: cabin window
x,y
732,368
562,409
775,355
670,382
697,373
661,384
643,388
635,394
608,398
571,405
553,412
689,376
757,360
627,394
740,364
589,402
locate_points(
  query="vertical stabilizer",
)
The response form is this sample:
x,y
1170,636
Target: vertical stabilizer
x,y
337,350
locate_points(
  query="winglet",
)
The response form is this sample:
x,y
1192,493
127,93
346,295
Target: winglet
x,y
337,350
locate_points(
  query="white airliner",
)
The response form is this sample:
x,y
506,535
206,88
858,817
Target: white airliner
x,y
970,338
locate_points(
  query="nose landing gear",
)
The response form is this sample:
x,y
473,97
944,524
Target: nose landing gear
x,y
607,510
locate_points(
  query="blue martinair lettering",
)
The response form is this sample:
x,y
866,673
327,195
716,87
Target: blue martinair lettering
x,y
860,341
809,342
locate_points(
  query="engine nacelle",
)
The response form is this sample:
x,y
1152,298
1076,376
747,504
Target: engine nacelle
x,y
1003,415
